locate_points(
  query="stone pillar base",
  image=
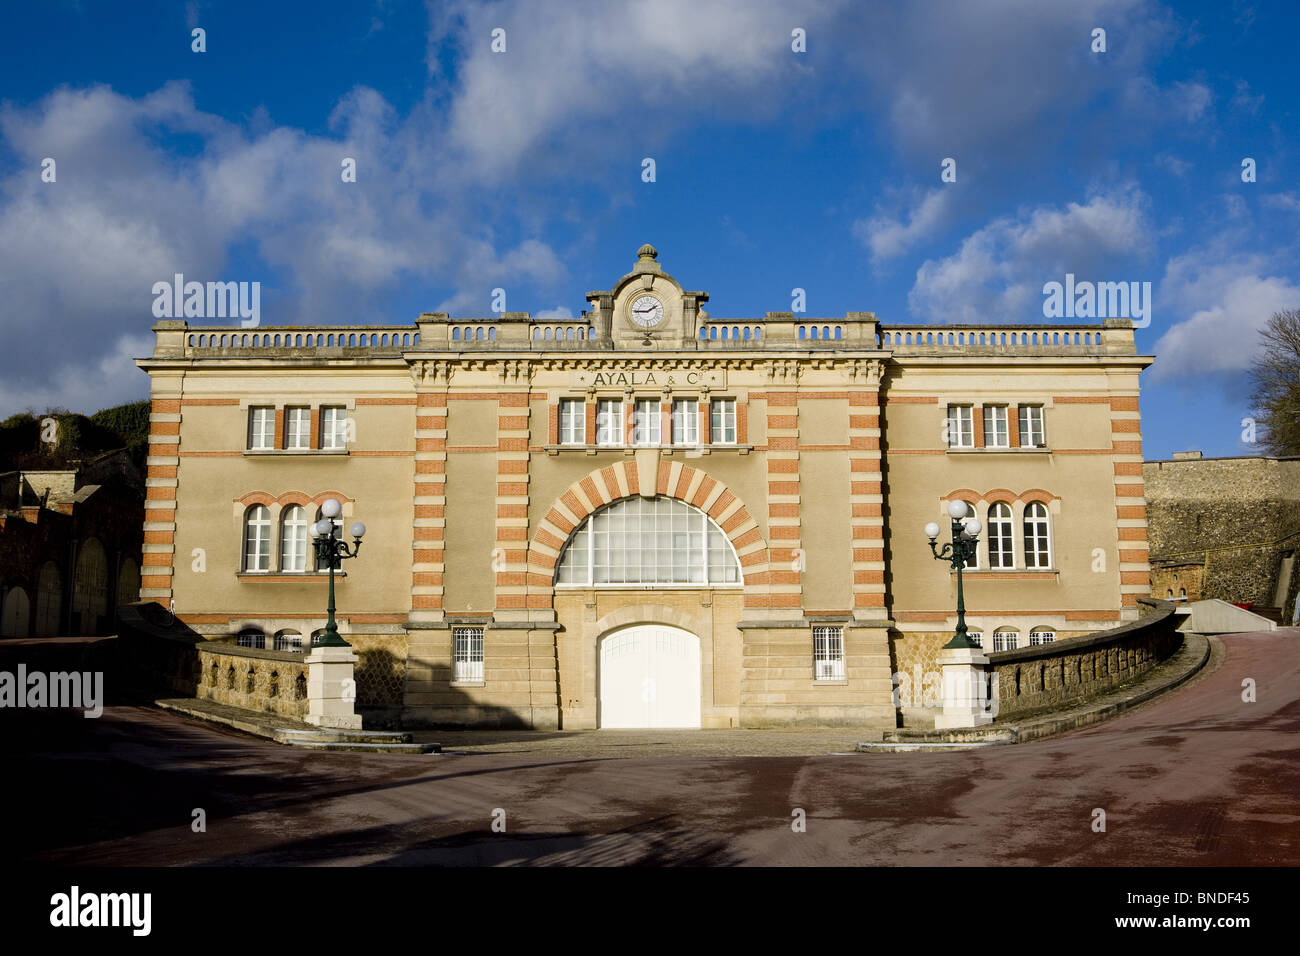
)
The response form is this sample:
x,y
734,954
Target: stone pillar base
x,y
332,689
965,689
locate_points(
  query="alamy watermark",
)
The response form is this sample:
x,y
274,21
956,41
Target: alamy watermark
x,y
1098,300
179,299
37,689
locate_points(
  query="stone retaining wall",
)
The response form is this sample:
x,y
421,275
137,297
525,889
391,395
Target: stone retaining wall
x,y
1067,672
268,681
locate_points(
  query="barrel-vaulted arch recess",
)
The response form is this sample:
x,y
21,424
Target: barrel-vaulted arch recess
x,y
605,486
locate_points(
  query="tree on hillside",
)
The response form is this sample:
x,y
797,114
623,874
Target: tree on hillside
x,y
1276,378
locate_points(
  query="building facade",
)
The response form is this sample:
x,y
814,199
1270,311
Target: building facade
x,y
70,541
646,517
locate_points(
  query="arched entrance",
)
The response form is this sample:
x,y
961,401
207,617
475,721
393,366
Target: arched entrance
x,y
649,678
16,614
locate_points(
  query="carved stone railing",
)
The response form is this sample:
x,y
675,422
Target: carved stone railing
x,y
1112,338
254,679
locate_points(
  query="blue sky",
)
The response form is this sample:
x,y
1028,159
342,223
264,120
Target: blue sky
x,y
775,169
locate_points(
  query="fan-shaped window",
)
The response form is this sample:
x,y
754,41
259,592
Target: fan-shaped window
x,y
649,541
1041,635
252,637
1006,639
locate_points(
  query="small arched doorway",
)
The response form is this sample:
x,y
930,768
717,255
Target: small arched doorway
x,y
649,678
16,615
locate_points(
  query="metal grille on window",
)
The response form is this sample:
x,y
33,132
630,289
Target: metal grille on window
x,y
1005,639
1041,635
468,653
828,652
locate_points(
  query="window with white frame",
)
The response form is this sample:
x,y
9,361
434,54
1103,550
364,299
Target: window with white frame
x,y
722,421
976,638
1001,536
1041,635
972,562
293,539
573,421
961,427
252,637
1005,639
645,421
686,421
1032,433
642,541
828,653
297,426
996,434
288,640
609,421
1038,548
468,654
333,426
261,428
257,538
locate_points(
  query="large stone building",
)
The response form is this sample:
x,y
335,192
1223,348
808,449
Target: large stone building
x,y
646,516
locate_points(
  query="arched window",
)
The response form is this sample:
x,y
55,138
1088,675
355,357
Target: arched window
x,y
252,637
128,582
1038,546
1041,635
257,538
288,640
49,600
1005,639
15,617
90,586
293,539
1001,537
973,562
648,541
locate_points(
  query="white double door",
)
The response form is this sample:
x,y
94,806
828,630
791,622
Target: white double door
x,y
650,677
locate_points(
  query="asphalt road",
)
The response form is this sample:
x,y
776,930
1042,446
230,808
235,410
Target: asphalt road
x,y
1199,777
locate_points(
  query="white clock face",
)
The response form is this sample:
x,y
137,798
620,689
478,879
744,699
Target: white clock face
x,y
647,311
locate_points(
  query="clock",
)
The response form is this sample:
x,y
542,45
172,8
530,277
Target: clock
x,y
647,311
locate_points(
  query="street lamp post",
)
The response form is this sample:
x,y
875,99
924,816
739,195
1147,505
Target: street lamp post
x,y
965,539
331,550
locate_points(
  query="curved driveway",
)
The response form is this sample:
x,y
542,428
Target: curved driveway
x,y
1196,777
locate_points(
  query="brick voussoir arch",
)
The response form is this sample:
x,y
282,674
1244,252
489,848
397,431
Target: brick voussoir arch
x,y
290,498
613,483
1001,494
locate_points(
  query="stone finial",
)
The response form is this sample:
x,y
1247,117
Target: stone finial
x,y
647,252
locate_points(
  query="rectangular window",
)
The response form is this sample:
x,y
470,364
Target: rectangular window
x,y
828,653
961,428
722,421
645,421
995,427
1032,433
261,428
468,654
297,425
686,421
333,427
573,421
609,421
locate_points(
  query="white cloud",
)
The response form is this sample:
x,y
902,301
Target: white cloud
x,y
998,272
1227,298
887,237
